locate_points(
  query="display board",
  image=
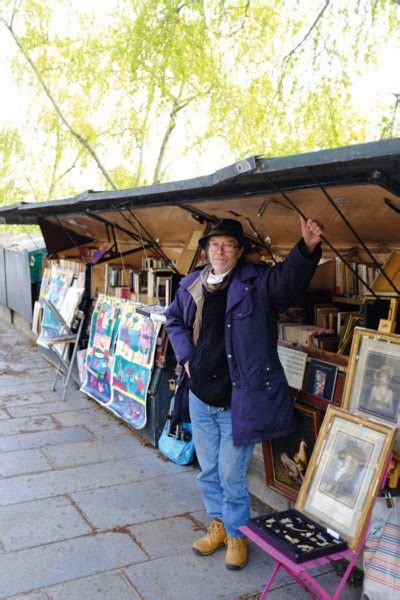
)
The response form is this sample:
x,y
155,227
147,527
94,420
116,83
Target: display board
x,y
100,352
120,358
133,363
58,285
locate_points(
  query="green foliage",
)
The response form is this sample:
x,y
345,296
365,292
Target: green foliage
x,y
114,95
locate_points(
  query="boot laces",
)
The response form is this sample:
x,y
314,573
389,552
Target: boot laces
x,y
235,542
214,528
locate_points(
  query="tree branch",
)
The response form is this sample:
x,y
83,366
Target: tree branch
x,y
64,120
289,55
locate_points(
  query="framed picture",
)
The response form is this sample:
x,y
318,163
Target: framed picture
x,y
347,466
321,379
286,458
372,387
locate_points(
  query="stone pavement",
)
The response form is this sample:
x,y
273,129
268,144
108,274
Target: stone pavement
x,y
88,511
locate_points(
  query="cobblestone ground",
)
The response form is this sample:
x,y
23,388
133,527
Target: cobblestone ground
x,y
88,511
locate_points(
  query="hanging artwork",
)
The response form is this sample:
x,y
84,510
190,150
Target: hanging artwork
x,y
99,357
133,363
373,383
60,281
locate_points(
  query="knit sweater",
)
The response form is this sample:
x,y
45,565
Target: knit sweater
x,y
209,372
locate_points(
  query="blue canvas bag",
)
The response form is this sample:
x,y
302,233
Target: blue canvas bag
x,y
176,441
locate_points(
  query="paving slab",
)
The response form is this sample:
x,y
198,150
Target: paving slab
x,y
168,536
88,477
105,586
96,451
40,522
142,501
91,416
14,377
10,443
31,596
72,393
193,577
3,414
26,387
38,568
26,425
22,399
22,462
48,408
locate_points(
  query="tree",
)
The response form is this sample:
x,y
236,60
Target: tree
x,y
115,94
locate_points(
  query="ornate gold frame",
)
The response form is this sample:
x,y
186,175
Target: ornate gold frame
x,y
359,333
314,475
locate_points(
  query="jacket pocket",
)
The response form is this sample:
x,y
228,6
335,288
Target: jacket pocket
x,y
243,309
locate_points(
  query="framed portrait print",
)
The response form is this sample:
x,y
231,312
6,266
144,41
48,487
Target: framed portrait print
x,y
372,387
286,458
321,379
348,463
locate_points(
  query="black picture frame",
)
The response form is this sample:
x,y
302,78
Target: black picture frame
x,y
321,379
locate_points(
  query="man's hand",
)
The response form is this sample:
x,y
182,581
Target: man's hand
x,y
186,367
311,231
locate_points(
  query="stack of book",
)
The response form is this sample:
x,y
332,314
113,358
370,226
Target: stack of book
x,y
347,283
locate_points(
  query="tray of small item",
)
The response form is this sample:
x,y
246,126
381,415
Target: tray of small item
x,y
296,536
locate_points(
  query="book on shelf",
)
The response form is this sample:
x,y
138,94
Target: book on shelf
x,y
153,262
326,317
348,282
139,282
299,333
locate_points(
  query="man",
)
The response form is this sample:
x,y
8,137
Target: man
x,y
222,327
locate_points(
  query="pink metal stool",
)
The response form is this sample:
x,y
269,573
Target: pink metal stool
x,y
300,571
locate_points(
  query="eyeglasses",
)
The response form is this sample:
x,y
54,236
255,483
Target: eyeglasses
x,y
215,247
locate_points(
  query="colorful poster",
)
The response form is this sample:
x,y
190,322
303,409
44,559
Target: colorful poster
x,y
60,282
99,359
133,363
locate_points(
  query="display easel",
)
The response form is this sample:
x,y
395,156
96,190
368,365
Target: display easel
x,y
67,337
300,571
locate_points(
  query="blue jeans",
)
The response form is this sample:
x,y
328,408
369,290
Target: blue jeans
x,y
223,477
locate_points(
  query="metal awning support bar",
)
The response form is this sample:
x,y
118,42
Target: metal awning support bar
x,y
65,230
323,238
202,217
109,224
113,255
353,231
151,239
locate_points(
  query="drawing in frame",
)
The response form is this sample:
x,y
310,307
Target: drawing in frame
x,y
372,387
345,471
286,458
321,379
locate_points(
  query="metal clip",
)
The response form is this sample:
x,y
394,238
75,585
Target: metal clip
x,y
389,499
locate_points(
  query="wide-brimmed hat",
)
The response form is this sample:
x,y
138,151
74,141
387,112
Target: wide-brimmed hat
x,y
228,227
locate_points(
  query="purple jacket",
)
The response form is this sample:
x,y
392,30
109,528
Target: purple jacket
x,y
262,407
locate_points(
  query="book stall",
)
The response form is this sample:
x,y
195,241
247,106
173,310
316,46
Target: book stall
x,y
118,257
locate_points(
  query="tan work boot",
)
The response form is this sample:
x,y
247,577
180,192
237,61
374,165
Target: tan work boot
x,y
236,553
214,539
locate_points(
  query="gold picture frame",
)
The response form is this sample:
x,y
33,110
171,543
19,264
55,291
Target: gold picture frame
x,y
345,471
372,386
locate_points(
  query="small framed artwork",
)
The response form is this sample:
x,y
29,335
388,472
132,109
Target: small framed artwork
x,y
372,387
321,379
286,458
347,466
